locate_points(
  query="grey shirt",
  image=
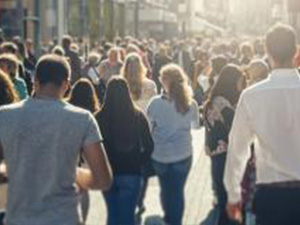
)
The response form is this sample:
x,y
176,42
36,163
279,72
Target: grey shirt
x,y
171,130
41,140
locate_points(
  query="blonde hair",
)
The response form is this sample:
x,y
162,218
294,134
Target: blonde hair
x,y
134,73
179,91
12,63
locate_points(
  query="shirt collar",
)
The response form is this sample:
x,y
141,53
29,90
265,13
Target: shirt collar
x,y
286,74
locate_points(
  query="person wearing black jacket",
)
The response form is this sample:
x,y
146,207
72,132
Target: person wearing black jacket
x,y
219,114
161,59
129,145
73,57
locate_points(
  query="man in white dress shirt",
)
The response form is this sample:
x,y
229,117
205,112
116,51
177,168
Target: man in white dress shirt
x,y
268,114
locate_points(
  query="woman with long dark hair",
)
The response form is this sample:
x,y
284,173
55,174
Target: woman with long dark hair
x,y
172,116
129,145
8,95
219,113
83,95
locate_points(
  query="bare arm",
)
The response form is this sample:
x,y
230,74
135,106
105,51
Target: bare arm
x,y
99,176
3,172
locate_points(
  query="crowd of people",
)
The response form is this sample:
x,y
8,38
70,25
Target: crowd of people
x,y
116,114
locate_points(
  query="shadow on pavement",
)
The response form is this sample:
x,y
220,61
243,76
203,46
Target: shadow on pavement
x,y
154,220
211,218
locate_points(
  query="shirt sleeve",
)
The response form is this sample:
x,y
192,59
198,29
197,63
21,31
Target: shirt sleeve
x,y
240,138
92,134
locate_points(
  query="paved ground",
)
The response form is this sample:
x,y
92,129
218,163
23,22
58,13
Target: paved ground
x,y
198,194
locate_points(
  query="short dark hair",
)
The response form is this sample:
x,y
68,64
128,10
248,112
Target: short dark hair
x,y
52,69
218,63
67,41
281,43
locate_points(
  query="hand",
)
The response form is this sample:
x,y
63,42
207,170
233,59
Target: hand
x,y
234,211
3,173
83,179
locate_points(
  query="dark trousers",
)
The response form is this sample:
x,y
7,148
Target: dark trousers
x,y
217,171
277,206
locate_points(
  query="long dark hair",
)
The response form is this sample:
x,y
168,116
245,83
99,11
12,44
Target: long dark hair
x,y
118,114
227,84
118,102
83,95
8,94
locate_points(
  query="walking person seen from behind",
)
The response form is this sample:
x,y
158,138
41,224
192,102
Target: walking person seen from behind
x,y
8,95
40,141
83,95
268,114
172,116
219,113
129,145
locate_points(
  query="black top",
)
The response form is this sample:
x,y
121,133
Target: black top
x,y
218,121
128,145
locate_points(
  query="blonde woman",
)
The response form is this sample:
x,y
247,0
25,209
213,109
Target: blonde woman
x,y
172,117
142,89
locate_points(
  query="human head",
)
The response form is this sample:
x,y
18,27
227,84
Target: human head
x,y
175,83
113,55
117,101
217,64
163,50
67,41
247,50
9,47
53,73
134,73
29,44
83,95
9,63
132,48
8,94
75,47
94,59
229,84
281,45
58,50
258,70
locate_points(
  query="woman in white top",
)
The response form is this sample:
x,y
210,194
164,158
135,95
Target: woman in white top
x,y
142,89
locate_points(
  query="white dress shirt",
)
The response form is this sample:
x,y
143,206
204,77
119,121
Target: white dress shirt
x,y
268,114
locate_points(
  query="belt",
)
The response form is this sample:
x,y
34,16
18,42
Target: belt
x,y
287,184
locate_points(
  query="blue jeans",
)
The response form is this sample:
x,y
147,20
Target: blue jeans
x,y
122,198
172,179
